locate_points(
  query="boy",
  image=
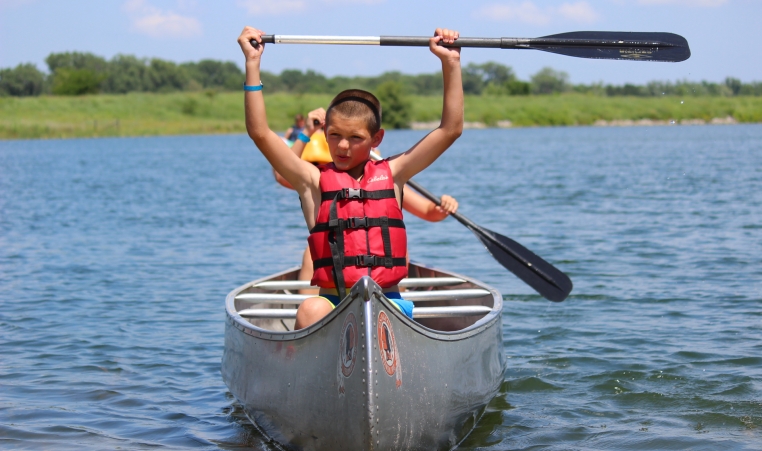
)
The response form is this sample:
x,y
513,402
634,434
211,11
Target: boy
x,y
352,206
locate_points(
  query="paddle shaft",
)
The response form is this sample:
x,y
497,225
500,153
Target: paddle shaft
x,y
478,230
495,43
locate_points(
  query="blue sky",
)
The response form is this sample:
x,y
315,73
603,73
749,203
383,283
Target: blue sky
x,y
725,35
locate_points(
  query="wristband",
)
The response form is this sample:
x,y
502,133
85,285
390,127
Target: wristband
x,y
303,138
253,88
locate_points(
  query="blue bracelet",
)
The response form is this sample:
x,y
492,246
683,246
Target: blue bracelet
x,y
303,138
253,88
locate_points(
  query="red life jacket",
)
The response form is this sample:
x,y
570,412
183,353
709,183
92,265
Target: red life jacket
x,y
359,229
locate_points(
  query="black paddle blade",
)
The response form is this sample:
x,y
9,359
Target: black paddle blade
x,y
545,278
620,45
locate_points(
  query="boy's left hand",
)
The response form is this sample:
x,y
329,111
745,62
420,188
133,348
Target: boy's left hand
x,y
447,204
445,36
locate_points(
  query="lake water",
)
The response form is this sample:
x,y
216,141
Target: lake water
x,y
116,256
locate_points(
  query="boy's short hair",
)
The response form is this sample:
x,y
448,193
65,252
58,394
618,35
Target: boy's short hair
x,y
357,104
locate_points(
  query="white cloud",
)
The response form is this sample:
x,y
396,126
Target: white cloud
x,y
275,7
353,2
152,21
699,3
580,12
167,24
522,12
528,12
272,7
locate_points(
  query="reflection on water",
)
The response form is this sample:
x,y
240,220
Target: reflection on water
x,y
116,256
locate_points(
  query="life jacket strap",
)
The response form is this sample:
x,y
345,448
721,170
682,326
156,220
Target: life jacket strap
x,y
357,223
363,260
356,193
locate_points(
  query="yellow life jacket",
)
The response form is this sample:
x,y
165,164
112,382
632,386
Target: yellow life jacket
x,y
316,151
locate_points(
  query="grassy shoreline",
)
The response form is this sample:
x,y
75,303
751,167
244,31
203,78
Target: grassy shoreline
x,y
143,114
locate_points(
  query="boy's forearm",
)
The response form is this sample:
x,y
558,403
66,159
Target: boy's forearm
x,y
453,103
256,117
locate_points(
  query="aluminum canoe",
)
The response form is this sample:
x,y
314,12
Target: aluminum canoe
x,y
365,377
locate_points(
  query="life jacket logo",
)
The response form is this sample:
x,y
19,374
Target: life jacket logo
x,y
378,178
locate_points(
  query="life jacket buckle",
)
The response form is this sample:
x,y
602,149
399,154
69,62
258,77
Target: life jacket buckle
x,y
366,260
352,193
356,223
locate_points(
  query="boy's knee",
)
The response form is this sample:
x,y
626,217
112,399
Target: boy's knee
x,y
311,311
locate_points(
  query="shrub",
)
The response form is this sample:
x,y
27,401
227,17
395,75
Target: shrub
x,y
75,82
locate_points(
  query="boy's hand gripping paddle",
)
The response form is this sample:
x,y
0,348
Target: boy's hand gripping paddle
x,y
545,278
619,45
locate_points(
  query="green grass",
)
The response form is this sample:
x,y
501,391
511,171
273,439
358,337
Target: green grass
x,y
207,113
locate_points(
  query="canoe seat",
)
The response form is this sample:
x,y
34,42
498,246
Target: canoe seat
x,y
418,312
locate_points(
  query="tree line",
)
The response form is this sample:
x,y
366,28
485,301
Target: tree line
x,y
76,73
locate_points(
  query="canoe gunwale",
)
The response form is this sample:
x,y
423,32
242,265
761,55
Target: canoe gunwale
x,y
479,326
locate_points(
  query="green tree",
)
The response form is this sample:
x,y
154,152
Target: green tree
x,y
473,82
23,80
427,84
271,81
215,74
76,73
734,85
126,73
164,76
478,77
76,60
395,105
549,81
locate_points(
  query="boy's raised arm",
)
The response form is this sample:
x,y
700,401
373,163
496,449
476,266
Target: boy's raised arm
x,y
405,165
297,172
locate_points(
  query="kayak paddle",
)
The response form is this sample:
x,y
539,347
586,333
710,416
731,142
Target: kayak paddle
x,y
620,45
545,278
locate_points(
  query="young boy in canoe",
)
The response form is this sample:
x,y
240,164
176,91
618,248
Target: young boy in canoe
x,y
352,206
412,202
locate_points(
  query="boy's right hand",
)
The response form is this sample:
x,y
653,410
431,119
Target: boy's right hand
x,y
313,116
244,40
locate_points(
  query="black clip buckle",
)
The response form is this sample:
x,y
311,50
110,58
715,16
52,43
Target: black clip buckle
x,y
366,260
356,223
352,193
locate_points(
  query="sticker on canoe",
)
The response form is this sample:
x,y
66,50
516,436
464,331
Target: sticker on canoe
x,y
348,346
347,349
387,346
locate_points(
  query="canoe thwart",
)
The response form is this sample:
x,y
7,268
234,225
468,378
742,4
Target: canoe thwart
x,y
418,312
414,296
276,285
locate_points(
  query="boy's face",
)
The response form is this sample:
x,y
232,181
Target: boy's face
x,y
350,142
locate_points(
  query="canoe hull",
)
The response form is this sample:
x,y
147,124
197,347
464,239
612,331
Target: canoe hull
x,y
349,383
